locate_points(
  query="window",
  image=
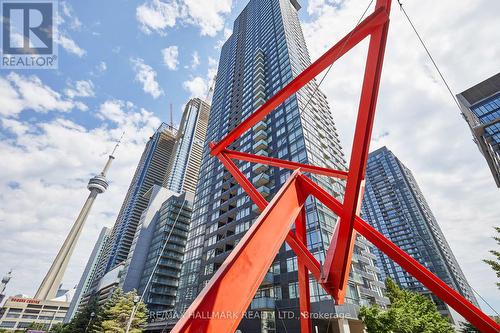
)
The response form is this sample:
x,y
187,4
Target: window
x,y
293,290
275,268
291,264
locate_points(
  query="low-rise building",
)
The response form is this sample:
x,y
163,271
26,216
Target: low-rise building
x,y
20,312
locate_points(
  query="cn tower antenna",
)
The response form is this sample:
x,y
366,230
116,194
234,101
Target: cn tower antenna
x,y
210,92
171,116
117,144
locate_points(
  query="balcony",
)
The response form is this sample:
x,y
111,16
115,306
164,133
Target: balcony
x,y
264,303
367,291
264,191
261,180
260,135
261,125
260,145
259,168
355,277
258,102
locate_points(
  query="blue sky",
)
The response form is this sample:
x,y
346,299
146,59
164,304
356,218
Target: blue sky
x,y
121,63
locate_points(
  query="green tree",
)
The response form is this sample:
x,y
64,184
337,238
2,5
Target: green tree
x,y
117,311
85,320
467,328
409,313
495,263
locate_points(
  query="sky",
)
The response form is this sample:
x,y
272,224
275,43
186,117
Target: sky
x,y
122,63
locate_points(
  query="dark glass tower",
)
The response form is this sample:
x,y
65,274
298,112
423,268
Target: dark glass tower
x,y
266,50
151,170
394,204
481,109
155,258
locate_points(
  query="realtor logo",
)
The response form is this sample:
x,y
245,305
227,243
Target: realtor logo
x,y
28,30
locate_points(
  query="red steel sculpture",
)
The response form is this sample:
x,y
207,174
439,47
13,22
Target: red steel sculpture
x,y
221,305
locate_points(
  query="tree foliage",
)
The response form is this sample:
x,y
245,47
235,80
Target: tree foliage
x,y
495,263
116,313
84,321
467,328
409,313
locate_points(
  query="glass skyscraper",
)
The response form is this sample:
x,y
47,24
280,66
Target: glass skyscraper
x,y
395,206
265,51
155,258
184,169
151,170
481,109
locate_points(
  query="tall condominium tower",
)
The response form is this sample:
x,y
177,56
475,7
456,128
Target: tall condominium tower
x,y
154,262
88,273
151,170
183,171
52,281
394,204
481,109
265,51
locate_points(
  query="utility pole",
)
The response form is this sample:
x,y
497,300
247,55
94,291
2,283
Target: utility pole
x,y
132,315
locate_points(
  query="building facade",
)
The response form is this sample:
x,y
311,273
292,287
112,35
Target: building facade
x,y
480,106
84,284
151,170
266,51
158,249
19,313
394,204
154,262
184,169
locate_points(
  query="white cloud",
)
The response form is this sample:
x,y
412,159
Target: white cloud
x,y
45,168
102,67
225,36
197,86
82,88
15,126
195,62
68,13
171,57
158,16
20,93
146,75
69,45
417,119
208,14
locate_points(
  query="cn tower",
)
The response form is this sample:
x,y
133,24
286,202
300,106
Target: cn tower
x,y
52,281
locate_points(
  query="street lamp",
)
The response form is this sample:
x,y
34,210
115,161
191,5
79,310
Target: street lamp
x,y
137,299
92,315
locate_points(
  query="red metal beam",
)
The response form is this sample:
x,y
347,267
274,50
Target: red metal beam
x,y
222,303
303,276
244,269
284,164
256,197
361,145
470,312
300,249
295,244
366,27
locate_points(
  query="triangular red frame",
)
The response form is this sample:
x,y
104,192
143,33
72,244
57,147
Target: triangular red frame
x,y
222,303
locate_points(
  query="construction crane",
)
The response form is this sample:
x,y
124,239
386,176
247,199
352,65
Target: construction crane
x,y
232,288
